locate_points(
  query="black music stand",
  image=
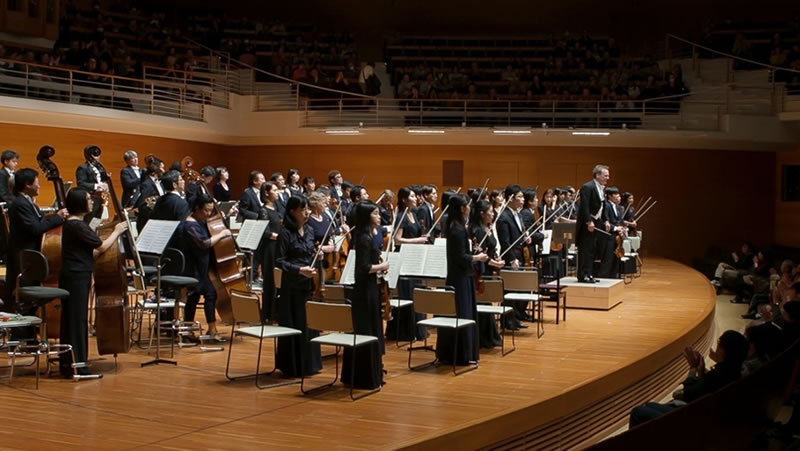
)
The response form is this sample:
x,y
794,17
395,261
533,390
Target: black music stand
x,y
564,233
152,242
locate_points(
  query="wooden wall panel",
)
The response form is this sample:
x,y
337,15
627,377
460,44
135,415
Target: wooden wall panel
x,y
704,196
787,214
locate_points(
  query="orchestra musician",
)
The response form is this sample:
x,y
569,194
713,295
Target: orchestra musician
x,y
89,178
425,212
607,244
335,181
296,251
309,186
250,200
407,231
509,230
130,177
344,200
222,192
496,199
197,245
283,193
9,160
193,188
80,247
149,190
630,214
529,215
319,223
293,183
386,207
460,276
269,245
590,216
366,308
357,194
482,230
26,227
172,206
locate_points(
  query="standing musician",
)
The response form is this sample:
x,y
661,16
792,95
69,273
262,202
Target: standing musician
x,y
496,199
549,208
366,309
590,216
344,199
425,212
171,206
293,183
407,231
26,226
319,223
335,181
9,160
509,229
630,214
89,178
283,193
309,186
222,192
194,189
612,213
197,245
149,190
269,244
482,230
250,200
130,177
386,208
80,247
460,276
357,194
296,250
529,215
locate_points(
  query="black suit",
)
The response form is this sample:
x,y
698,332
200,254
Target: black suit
x,y
130,179
193,191
508,231
86,179
147,189
612,214
6,194
426,219
249,205
172,207
26,229
590,204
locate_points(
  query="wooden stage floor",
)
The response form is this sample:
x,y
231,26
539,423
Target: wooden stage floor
x,y
535,396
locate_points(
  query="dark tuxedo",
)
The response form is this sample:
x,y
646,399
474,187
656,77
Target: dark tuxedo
x,y
172,207
612,213
86,178
507,232
131,179
250,206
426,218
335,195
528,219
147,189
193,191
6,194
26,229
590,204
283,199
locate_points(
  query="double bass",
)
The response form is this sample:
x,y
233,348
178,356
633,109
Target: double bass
x,y
51,240
112,315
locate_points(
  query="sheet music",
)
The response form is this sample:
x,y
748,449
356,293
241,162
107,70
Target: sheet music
x,y
349,271
548,239
440,242
251,233
395,262
155,236
436,262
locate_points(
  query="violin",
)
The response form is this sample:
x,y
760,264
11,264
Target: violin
x,y
478,268
384,295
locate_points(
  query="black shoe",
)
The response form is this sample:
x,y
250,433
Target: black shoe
x,y
585,281
595,280
526,318
749,316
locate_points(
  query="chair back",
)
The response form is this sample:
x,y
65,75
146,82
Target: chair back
x,y
435,302
334,293
277,273
174,262
33,266
492,291
245,308
434,283
527,281
326,316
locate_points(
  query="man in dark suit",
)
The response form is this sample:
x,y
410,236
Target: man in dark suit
x,y
357,194
149,188
27,225
612,212
171,206
131,178
194,188
89,178
335,180
9,160
425,212
250,200
509,231
590,219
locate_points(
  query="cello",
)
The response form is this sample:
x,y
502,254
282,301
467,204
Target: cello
x,y
51,240
112,315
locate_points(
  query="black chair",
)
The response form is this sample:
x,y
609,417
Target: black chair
x,y
33,270
172,278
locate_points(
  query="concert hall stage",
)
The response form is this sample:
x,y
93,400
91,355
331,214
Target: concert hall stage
x,y
569,388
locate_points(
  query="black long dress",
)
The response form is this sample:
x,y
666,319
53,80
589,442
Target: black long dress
x,y
409,331
78,241
487,328
270,249
294,252
460,276
366,318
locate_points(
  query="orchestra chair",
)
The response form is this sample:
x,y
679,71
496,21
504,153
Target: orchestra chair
x,y
398,304
556,294
442,304
172,278
523,286
490,302
335,293
138,293
246,312
34,269
337,319
627,263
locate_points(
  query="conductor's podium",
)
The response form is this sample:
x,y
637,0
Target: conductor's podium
x,y
604,295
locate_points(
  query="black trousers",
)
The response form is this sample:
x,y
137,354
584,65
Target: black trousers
x,y
587,244
74,317
609,264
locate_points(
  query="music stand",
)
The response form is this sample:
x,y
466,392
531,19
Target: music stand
x,y
248,240
152,242
564,233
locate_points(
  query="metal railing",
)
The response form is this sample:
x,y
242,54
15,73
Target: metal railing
x,y
215,86
50,83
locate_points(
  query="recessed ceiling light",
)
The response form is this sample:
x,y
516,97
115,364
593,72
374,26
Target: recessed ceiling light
x,y
591,133
343,132
422,131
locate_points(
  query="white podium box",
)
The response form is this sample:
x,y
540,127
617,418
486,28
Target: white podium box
x,y
604,295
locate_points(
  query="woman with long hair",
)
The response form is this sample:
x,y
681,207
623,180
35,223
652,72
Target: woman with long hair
x,y
482,230
293,183
365,300
269,247
295,252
